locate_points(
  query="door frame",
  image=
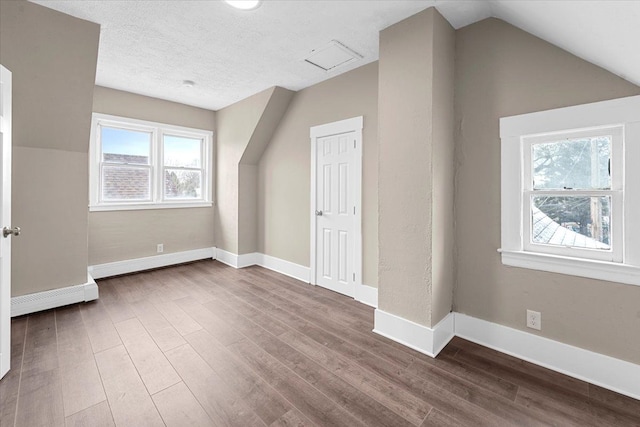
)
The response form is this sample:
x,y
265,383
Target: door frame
x,y
355,125
5,285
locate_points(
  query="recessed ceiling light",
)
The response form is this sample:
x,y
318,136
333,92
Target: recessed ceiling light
x,y
244,4
188,83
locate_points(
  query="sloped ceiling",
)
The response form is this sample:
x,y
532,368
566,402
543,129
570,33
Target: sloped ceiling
x,y
151,47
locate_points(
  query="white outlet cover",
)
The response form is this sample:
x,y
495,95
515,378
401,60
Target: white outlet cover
x,y
534,320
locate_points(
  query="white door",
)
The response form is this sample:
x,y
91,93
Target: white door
x,y
336,203
5,219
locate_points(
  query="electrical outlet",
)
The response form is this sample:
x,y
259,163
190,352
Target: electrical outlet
x,y
160,248
534,319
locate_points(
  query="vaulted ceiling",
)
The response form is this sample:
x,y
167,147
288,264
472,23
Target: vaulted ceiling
x,y
152,47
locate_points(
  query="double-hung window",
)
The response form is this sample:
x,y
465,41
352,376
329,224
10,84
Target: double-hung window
x,y
137,164
571,190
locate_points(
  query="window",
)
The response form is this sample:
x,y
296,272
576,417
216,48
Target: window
x,y
570,191
125,169
144,165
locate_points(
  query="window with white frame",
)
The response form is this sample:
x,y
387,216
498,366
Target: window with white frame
x,y
571,192
136,164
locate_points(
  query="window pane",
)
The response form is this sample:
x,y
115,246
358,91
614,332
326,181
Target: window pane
x,y
125,146
125,183
581,163
182,152
182,184
576,221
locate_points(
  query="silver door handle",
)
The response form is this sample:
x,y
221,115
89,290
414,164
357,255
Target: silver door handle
x,y
319,213
7,231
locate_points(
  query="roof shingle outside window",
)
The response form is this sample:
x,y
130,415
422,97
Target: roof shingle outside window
x,y
126,183
547,231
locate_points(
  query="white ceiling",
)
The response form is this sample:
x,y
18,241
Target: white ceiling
x,y
151,47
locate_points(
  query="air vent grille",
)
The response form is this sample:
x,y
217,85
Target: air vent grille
x,y
333,56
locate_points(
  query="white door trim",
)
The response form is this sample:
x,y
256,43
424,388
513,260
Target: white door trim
x,y
343,126
5,284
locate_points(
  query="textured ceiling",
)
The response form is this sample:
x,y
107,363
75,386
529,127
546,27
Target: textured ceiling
x,y
151,47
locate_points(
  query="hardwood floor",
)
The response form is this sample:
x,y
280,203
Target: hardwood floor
x,y
205,344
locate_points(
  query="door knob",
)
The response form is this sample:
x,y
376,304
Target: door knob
x,y
319,213
8,231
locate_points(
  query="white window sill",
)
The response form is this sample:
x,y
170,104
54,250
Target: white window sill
x,y
602,270
142,206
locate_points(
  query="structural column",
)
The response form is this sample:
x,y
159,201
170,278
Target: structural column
x,y
416,180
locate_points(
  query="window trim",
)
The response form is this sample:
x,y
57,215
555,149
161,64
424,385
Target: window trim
x,y
156,164
622,112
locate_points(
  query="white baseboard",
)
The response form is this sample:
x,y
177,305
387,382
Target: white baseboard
x,y
140,264
31,303
287,268
605,371
236,261
225,257
272,263
367,295
595,368
247,260
429,341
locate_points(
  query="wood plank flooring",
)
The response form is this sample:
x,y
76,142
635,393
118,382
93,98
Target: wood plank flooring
x,y
204,344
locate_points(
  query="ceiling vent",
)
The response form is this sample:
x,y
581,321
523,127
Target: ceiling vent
x,y
332,56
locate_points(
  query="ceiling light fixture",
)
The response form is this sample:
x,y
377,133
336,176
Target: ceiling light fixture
x,y
244,4
188,83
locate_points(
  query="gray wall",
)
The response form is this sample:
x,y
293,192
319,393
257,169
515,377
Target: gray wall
x,y
53,60
244,130
247,208
443,170
126,104
122,235
236,124
502,71
285,167
415,168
